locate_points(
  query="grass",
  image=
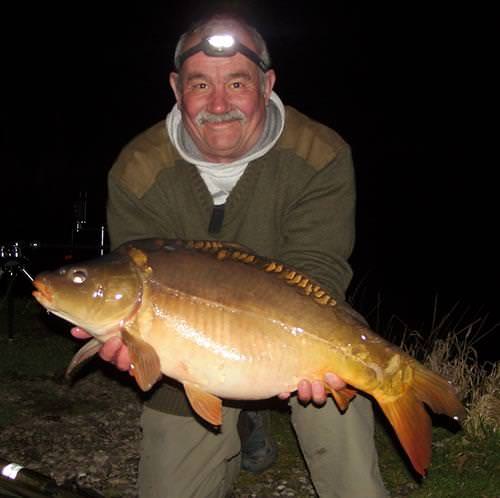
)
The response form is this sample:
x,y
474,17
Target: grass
x,y
460,466
449,348
465,463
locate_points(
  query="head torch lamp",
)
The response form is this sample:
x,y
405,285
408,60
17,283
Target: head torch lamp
x,y
221,46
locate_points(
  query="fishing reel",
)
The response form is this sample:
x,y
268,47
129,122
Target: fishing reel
x,y
13,262
13,259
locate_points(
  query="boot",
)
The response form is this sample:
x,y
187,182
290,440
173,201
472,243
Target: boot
x,y
258,450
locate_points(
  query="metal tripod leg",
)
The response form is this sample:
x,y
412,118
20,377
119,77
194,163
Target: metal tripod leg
x,y
13,268
10,312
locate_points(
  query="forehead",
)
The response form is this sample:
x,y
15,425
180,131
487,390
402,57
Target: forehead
x,y
203,66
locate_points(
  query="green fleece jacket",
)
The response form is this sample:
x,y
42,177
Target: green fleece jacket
x,y
295,204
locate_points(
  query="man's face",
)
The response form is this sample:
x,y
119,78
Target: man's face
x,y
223,102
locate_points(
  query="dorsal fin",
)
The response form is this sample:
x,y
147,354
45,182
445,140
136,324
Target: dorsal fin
x,y
236,252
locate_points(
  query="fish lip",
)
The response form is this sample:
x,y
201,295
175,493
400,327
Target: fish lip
x,y
43,293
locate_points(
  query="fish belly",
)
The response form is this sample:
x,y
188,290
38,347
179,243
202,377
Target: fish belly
x,y
232,353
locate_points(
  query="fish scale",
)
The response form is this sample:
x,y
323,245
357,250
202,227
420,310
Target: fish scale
x,y
223,336
227,323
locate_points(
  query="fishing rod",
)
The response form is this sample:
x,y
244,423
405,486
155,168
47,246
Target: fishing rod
x,y
22,482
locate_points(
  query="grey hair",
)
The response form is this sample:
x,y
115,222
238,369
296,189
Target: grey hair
x,y
206,26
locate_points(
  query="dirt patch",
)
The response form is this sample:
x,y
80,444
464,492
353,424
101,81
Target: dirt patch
x,y
88,433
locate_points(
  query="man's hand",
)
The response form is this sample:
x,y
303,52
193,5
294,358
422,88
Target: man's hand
x,y
113,350
315,391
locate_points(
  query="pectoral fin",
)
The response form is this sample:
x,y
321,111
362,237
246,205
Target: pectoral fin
x,y
145,363
343,397
82,355
206,405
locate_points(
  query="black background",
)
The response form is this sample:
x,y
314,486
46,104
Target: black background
x,y
410,85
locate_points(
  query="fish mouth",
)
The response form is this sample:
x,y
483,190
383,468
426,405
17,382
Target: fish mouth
x,y
43,294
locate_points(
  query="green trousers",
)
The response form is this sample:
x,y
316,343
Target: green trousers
x,y
182,458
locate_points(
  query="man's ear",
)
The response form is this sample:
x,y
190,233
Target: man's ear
x,y
269,81
175,85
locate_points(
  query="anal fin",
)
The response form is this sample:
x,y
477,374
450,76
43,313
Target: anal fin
x,y
145,363
343,397
206,405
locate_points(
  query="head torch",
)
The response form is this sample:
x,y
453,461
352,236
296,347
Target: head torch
x,y
221,46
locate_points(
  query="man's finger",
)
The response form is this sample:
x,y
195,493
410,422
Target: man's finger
x,y
79,333
122,359
334,381
110,349
318,393
304,391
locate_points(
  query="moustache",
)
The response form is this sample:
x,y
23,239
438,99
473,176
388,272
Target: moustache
x,y
207,117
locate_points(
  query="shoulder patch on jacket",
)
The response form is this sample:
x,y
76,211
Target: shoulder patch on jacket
x,y
141,160
315,143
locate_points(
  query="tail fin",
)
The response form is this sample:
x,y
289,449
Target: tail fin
x,y
437,393
410,419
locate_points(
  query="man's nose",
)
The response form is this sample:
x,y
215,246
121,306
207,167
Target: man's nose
x,y
219,101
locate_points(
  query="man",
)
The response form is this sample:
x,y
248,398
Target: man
x,y
232,163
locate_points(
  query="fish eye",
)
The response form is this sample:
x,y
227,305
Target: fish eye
x,y
79,276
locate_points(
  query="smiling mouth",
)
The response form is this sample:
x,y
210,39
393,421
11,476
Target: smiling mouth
x,y
221,123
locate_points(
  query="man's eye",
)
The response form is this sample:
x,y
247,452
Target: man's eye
x,y
200,86
236,84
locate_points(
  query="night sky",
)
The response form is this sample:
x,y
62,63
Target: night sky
x,y
410,87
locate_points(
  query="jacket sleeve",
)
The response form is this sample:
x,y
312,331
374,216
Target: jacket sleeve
x,y
319,225
133,207
129,217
